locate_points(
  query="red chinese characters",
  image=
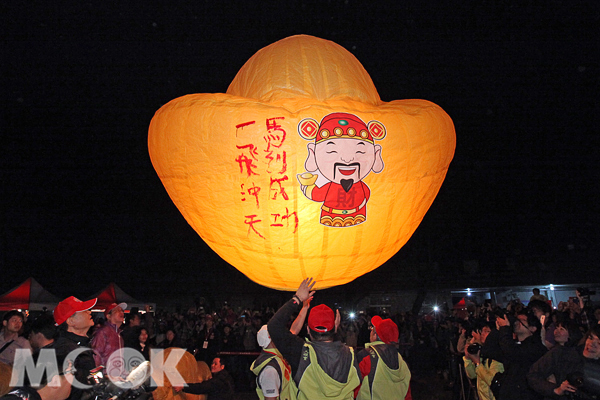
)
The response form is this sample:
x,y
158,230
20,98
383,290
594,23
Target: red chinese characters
x,y
263,174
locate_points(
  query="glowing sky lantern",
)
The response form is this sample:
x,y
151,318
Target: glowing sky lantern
x,y
300,170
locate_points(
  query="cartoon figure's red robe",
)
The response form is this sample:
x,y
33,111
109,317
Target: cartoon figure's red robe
x,y
341,208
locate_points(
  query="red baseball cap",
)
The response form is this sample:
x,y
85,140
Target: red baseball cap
x,y
113,306
70,306
321,319
386,329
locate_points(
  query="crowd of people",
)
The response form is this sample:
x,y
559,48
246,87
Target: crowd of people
x,y
522,351
533,351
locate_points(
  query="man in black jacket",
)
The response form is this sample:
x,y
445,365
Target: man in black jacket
x,y
219,387
74,319
519,355
322,367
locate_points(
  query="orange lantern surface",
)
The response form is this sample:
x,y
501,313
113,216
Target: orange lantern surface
x,y
300,170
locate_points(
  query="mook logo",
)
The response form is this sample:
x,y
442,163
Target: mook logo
x,y
120,368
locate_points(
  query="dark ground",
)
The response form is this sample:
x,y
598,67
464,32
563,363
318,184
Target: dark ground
x,y
430,388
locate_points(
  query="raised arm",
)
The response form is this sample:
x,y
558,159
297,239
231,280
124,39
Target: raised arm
x,y
299,321
286,342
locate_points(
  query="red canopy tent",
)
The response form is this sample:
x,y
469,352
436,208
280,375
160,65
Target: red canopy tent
x,y
462,304
114,294
462,308
29,295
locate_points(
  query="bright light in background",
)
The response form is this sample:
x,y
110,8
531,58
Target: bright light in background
x,y
436,308
551,287
352,315
468,292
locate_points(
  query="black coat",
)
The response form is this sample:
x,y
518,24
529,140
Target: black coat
x,y
219,387
563,363
518,358
84,362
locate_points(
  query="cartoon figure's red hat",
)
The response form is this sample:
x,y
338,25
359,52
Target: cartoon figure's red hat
x,y
341,125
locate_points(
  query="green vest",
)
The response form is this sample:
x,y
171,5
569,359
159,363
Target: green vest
x,y
314,383
484,372
273,357
384,382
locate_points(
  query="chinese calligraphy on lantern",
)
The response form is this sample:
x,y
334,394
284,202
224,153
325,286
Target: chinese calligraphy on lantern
x,y
261,156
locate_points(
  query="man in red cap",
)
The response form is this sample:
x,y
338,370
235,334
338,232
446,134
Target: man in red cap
x,y
321,367
74,317
385,373
107,340
74,320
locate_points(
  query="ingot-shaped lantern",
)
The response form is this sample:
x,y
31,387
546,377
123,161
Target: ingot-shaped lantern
x,y
300,170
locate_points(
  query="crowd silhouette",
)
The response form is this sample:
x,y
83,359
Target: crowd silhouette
x,y
531,350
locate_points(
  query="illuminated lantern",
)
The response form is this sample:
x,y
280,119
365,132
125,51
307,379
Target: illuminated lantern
x,y
300,170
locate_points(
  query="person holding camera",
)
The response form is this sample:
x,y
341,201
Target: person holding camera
x,y
585,307
481,365
519,339
576,370
543,312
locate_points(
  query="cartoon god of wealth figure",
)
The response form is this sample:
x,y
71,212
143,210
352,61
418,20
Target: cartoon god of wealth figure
x,y
343,153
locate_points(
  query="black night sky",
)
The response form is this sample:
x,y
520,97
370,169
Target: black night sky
x,y
82,206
